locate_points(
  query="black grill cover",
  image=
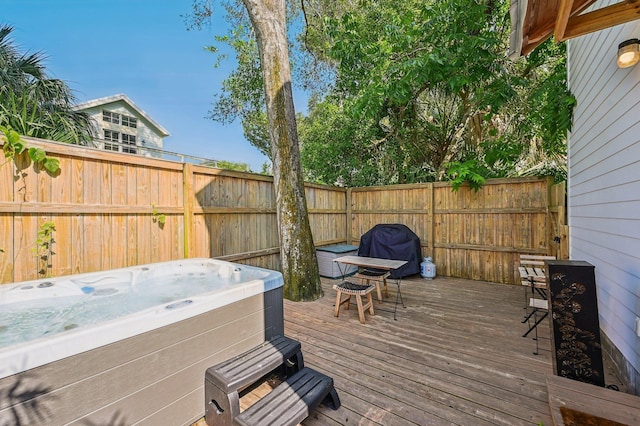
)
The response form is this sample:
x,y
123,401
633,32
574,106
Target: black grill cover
x,y
396,242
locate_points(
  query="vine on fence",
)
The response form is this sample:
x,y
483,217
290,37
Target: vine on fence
x,y
158,217
44,248
14,146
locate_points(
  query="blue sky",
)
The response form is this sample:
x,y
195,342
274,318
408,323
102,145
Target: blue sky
x,y
140,48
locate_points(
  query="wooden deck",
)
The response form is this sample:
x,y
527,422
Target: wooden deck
x,y
455,355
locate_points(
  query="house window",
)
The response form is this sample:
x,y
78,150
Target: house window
x,y
110,117
122,142
129,143
114,117
129,121
111,136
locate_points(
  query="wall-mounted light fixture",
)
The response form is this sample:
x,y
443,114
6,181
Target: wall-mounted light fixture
x,y
628,53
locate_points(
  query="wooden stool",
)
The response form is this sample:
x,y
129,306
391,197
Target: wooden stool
x,y
368,275
357,290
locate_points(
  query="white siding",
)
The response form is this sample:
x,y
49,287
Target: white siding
x,y
604,178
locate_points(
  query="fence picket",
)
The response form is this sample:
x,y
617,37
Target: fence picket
x,y
102,204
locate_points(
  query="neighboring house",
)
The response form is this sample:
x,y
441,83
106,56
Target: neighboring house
x,y
604,165
121,126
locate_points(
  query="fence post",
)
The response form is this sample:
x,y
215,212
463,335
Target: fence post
x,y
563,228
187,203
548,221
430,223
349,217
558,231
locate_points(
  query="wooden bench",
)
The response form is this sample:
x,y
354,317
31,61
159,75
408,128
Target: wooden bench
x,y
224,381
291,401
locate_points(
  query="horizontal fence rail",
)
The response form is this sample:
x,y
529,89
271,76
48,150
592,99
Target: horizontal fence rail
x,y
112,210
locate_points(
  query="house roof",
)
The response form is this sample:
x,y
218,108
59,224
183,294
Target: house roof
x,y
121,97
534,21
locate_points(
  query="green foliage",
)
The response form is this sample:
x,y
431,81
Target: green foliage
x,y
44,248
423,75
158,217
402,90
401,49
469,172
33,104
39,156
266,169
243,91
14,146
256,130
434,78
551,101
337,150
242,95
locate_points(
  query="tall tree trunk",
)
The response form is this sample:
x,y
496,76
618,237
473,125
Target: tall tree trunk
x,y
297,251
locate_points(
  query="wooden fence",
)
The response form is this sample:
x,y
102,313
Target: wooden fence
x,y
113,210
476,235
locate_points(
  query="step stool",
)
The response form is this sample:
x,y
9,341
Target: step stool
x,y
375,275
224,381
292,400
357,290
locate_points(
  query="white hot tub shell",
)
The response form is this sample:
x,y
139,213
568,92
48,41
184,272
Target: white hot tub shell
x,y
143,368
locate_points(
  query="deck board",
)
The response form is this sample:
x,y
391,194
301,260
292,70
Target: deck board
x,y
455,355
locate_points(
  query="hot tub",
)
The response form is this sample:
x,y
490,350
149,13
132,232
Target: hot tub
x,y
131,345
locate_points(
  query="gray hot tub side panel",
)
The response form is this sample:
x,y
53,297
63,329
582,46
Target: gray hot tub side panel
x,y
145,379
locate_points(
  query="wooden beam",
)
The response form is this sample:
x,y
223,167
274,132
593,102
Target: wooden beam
x,y
77,209
542,28
249,254
539,34
498,249
564,26
562,19
600,19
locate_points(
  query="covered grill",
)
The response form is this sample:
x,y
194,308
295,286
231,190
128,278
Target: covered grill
x,y
393,241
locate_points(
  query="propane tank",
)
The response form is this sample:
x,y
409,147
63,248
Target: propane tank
x,y
427,268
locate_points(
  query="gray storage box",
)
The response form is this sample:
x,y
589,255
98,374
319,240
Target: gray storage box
x,y
329,268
